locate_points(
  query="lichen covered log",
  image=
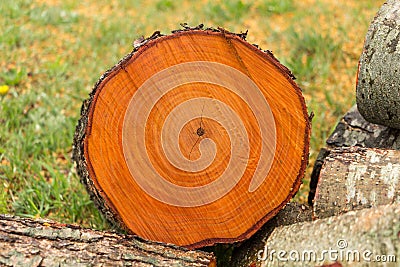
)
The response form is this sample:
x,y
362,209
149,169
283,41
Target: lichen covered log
x,y
356,178
378,82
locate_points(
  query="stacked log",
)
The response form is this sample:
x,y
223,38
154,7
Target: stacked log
x,y
355,184
350,177
353,216
27,242
378,82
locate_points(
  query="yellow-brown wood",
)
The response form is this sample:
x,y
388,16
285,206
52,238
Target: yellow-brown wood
x,y
195,138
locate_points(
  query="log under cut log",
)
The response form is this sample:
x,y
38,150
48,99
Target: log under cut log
x,y
26,242
358,238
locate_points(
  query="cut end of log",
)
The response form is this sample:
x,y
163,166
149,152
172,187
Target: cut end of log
x,y
194,138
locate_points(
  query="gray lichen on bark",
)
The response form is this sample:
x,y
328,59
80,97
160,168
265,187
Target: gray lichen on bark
x,y
378,83
354,130
356,178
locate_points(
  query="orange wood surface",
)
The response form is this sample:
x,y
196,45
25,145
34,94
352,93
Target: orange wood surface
x,y
217,116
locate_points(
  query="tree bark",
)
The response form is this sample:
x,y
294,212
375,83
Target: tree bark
x,y
355,178
26,242
354,130
367,233
378,79
191,133
246,253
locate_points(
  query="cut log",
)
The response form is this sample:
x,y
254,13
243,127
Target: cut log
x,y
246,253
354,130
355,178
26,242
378,81
194,138
357,238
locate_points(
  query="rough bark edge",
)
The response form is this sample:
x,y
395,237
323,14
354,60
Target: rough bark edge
x,y
354,130
129,249
84,127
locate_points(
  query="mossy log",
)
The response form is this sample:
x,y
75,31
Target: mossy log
x,y
378,82
25,242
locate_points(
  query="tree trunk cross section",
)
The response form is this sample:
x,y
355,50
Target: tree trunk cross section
x,y
194,138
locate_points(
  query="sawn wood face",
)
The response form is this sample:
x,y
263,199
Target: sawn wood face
x,y
194,138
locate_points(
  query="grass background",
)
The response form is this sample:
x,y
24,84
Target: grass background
x,y
52,52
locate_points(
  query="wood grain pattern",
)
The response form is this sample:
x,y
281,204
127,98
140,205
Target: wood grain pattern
x,y
194,138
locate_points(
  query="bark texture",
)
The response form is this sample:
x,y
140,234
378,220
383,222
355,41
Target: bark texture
x,y
26,242
246,253
372,232
354,130
378,83
355,178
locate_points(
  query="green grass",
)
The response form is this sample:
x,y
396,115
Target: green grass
x,y
276,6
221,12
52,53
